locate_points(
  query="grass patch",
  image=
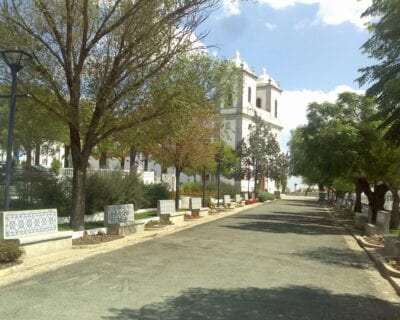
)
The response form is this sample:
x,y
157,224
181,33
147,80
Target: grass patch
x,y
88,225
145,215
64,227
394,232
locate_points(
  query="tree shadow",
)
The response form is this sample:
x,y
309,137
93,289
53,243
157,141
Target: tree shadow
x,y
290,303
339,257
302,204
285,216
305,228
288,222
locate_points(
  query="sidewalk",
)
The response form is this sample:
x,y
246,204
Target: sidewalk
x,y
376,255
37,265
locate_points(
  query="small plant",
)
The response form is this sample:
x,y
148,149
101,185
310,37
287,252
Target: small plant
x,y
144,215
55,166
9,252
265,196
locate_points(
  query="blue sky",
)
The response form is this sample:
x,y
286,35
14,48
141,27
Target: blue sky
x,y
294,43
311,47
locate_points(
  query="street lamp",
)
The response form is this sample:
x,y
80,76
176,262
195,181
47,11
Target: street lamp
x,y
16,60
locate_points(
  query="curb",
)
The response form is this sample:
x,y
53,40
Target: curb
x,y
375,257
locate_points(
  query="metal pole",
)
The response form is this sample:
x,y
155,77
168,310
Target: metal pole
x,y
10,138
218,179
204,187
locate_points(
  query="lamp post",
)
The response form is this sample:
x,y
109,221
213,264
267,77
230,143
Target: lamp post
x,y
16,60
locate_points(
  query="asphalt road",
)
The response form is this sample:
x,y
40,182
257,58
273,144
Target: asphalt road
x,y
285,260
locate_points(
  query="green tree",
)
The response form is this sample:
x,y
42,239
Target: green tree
x,y
260,150
342,143
279,170
107,52
384,76
191,90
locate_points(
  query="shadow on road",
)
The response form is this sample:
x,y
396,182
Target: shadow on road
x,y
342,258
294,302
288,227
314,222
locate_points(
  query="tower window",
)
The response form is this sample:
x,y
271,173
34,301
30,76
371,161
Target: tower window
x,y
258,103
276,108
249,94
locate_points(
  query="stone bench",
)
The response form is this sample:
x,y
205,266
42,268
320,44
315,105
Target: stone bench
x,y
360,220
382,222
228,203
35,230
167,213
215,205
185,202
120,219
239,201
197,209
392,246
370,229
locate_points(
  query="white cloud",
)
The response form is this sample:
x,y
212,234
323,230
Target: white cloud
x,y
270,26
230,8
294,104
331,12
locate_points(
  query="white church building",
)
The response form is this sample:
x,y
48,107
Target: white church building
x,y
258,94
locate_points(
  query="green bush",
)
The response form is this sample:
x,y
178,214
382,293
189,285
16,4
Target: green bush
x,y
195,189
113,188
154,192
264,196
56,166
9,252
190,187
43,191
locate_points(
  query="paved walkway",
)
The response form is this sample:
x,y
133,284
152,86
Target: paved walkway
x,y
285,260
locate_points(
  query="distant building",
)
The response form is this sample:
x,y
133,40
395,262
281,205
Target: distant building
x,y
253,94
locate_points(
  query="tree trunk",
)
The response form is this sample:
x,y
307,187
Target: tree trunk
x,y
145,164
203,202
132,159
28,158
378,199
177,177
28,172
122,163
80,158
37,154
66,156
357,203
307,190
78,197
394,214
255,178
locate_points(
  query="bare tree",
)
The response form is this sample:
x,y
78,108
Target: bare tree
x,y
104,53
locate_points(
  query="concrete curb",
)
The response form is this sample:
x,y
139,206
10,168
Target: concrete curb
x,y
373,253
38,265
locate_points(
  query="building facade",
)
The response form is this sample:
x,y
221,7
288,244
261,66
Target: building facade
x,y
252,95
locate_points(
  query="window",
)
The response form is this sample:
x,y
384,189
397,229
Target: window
x,y
276,108
249,94
258,103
